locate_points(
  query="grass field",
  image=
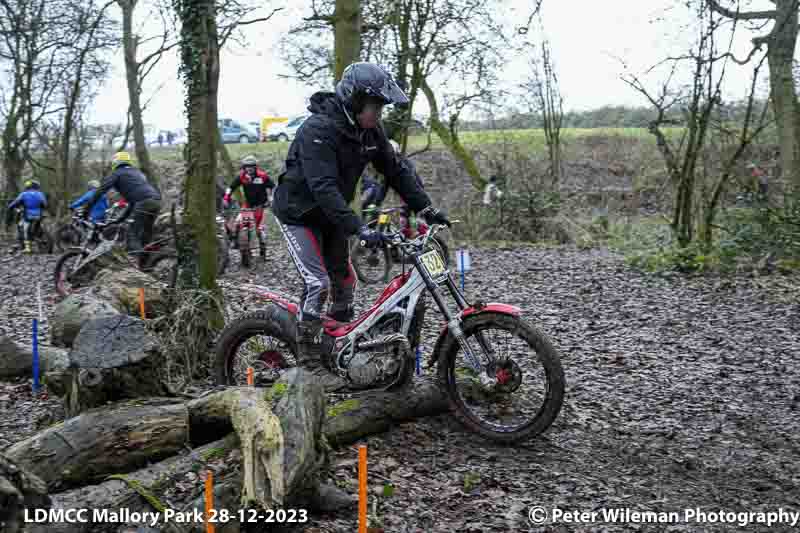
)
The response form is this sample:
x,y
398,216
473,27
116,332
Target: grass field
x,y
530,138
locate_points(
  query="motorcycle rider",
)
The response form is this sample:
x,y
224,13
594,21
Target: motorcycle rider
x,y
326,158
405,213
142,198
372,193
33,201
258,189
98,212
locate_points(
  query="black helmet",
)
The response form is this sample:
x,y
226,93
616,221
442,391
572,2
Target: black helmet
x,y
360,80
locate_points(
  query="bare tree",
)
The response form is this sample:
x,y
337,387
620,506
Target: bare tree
x,y
30,41
780,42
136,70
87,65
543,89
697,103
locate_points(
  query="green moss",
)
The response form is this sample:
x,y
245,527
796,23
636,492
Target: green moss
x,y
214,453
471,480
275,392
343,407
141,490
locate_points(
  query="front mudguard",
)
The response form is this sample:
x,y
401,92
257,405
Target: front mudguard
x,y
445,336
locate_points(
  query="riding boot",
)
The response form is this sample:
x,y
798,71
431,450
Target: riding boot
x,y
343,315
309,354
28,247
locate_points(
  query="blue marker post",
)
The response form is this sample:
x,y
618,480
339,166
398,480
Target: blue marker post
x,y
463,260
419,358
35,356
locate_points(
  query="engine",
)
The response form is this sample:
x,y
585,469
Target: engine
x,y
380,362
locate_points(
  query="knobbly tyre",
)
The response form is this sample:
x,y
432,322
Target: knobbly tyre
x,y
484,353
243,232
78,266
374,265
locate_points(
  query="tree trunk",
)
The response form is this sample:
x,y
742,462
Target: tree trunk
x,y
200,69
130,45
102,442
347,35
450,139
780,56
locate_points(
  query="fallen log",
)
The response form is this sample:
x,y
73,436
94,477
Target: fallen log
x,y
103,441
376,412
346,421
19,490
113,358
143,491
16,360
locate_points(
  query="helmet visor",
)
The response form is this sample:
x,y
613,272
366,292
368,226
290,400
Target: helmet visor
x,y
390,92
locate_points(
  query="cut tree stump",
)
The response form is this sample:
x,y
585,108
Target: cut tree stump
x,y
280,432
114,358
104,441
19,489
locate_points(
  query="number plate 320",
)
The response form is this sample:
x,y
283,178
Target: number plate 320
x,y
433,263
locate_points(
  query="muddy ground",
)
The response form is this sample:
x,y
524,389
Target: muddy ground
x,y
682,393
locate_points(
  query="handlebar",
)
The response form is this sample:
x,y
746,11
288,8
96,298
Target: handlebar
x,y
399,240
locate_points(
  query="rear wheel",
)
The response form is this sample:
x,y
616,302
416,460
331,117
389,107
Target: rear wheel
x,y
263,340
372,265
528,381
67,236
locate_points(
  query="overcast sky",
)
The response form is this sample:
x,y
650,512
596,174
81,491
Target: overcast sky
x,y
588,39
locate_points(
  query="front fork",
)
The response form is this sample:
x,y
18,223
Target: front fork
x,y
454,326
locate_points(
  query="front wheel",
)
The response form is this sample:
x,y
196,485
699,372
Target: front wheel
x,y
244,247
65,280
528,381
263,340
244,139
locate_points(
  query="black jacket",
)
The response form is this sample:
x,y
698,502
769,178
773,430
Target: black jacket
x,y
323,166
130,183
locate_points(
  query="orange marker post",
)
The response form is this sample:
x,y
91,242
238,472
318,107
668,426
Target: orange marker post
x,y
141,301
209,500
250,379
362,489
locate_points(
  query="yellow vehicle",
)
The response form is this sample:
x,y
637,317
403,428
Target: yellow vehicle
x,y
269,121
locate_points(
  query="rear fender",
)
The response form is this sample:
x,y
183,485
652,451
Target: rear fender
x,y
445,337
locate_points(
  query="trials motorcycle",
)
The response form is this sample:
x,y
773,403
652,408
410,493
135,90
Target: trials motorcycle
x,y
501,374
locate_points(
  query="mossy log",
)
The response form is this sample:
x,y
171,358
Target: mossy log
x,y
103,441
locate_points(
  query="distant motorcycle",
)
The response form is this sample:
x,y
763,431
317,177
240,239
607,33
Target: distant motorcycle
x,y
243,233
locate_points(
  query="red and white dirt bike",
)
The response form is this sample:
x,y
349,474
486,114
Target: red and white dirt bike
x,y
502,375
244,233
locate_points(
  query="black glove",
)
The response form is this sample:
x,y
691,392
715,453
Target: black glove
x,y
434,216
369,237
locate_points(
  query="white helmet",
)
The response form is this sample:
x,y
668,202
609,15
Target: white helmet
x,y
94,184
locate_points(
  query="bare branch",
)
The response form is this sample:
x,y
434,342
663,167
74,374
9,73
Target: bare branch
x,y
741,15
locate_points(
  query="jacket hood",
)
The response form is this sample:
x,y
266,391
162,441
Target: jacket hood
x,y
325,103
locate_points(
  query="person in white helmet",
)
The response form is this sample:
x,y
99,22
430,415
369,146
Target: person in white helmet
x,y
98,212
